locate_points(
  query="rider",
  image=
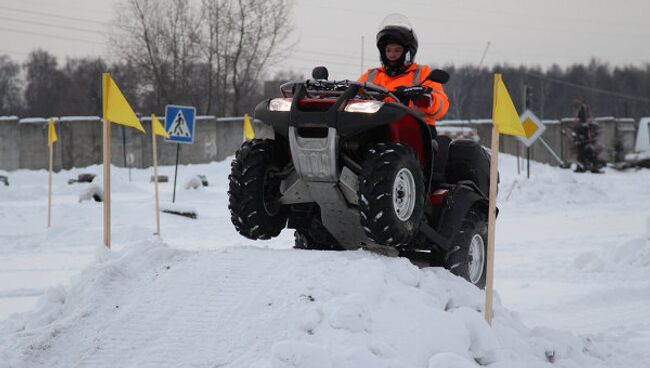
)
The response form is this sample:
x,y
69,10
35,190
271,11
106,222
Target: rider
x,y
398,44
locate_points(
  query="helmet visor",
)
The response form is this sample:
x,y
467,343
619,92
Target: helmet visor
x,y
396,19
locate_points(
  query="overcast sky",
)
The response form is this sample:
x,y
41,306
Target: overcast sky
x,y
330,32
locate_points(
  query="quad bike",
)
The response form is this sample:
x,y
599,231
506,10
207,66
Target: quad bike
x,y
352,167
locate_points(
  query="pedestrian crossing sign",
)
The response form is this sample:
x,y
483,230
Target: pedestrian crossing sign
x,y
179,123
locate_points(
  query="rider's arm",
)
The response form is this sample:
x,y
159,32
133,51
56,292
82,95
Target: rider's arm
x,y
439,101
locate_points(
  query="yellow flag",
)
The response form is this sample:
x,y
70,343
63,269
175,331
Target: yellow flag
x,y
504,114
157,127
249,133
116,108
51,133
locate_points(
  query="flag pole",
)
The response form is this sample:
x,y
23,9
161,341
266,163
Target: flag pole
x,y
107,183
494,161
489,283
155,177
49,184
116,109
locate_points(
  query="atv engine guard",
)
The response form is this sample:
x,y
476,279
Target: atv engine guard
x,y
315,159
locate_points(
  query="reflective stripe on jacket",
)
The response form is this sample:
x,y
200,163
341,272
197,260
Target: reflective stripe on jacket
x,y
413,76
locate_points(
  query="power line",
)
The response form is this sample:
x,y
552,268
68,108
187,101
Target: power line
x,y
39,4
520,28
326,54
13,52
575,85
21,21
324,61
593,89
33,12
50,36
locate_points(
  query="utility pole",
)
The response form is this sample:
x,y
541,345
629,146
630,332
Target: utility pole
x,y
541,101
362,43
526,102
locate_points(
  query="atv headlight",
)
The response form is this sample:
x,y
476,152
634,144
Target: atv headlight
x,y
367,107
280,104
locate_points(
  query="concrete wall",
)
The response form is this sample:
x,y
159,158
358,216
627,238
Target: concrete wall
x,y
23,143
9,143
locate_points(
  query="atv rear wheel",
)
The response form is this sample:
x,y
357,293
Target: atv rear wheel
x,y
467,257
315,239
313,235
391,194
254,192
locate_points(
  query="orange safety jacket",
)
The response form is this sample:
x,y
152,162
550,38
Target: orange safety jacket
x,y
413,76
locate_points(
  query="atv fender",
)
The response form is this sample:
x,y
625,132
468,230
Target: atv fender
x,y
462,198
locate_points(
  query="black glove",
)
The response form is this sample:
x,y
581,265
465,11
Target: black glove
x,y
406,94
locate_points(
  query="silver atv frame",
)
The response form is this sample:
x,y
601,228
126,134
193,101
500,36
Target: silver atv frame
x,y
318,178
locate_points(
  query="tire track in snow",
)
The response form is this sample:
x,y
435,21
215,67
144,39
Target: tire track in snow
x,y
204,322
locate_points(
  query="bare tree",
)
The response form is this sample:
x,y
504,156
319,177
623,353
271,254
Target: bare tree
x,y
217,43
161,37
83,95
10,86
241,38
211,56
44,84
261,27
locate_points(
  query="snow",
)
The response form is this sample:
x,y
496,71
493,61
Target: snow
x,y
572,282
91,192
637,156
458,132
643,137
80,118
33,121
194,182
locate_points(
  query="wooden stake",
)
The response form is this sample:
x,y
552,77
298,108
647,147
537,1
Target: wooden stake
x,y
107,183
489,281
49,188
155,180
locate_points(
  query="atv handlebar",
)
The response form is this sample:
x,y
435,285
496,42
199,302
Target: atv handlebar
x,y
323,88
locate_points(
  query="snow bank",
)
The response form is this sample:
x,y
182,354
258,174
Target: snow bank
x,y
80,118
151,305
33,121
551,184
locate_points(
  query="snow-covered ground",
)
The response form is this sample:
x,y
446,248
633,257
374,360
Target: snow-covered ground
x,y
572,276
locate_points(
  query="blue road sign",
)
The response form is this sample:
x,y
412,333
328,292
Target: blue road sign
x,y
179,123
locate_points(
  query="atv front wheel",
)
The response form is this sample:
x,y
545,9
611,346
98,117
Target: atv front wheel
x,y
467,257
254,190
391,194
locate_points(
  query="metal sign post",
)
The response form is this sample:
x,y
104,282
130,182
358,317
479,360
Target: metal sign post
x,y
178,152
179,124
